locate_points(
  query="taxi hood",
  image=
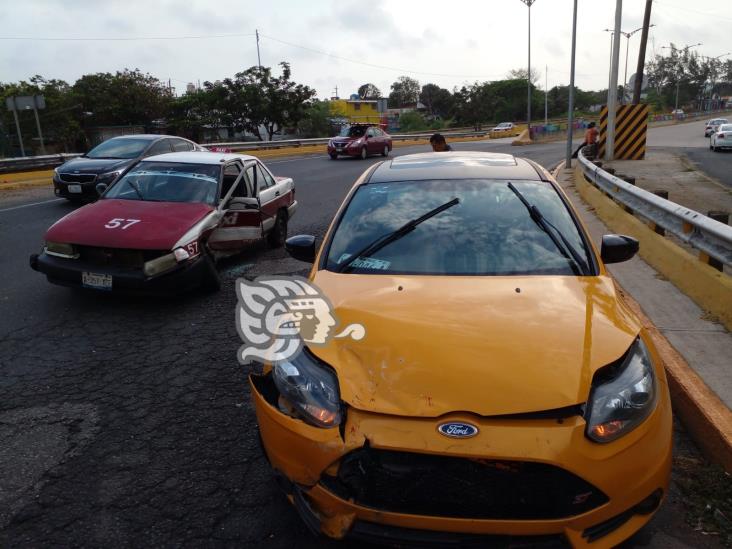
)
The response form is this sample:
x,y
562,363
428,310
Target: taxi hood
x,y
109,223
486,345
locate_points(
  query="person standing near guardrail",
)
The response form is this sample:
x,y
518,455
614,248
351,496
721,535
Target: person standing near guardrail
x,y
591,136
439,144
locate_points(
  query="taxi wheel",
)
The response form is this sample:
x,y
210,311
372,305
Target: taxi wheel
x,y
385,152
364,154
277,236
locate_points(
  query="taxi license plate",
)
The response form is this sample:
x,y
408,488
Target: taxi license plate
x,y
96,281
74,189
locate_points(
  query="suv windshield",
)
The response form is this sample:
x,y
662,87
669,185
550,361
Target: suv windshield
x,y
119,148
353,131
488,233
168,182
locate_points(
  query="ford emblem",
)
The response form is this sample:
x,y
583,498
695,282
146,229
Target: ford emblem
x,y
455,429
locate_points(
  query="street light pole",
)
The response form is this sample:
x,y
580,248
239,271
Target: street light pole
x,y
612,89
627,47
570,114
528,74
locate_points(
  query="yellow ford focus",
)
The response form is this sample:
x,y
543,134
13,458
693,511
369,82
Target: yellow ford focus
x,y
502,391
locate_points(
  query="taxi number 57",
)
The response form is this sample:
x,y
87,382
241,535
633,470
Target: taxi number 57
x,y
119,223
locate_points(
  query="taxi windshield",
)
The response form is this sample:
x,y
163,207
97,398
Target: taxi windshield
x,y
489,231
168,182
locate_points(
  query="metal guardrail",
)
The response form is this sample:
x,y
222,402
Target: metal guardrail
x,y
695,229
279,144
8,165
34,162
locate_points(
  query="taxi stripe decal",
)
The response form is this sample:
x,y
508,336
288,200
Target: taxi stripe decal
x,y
631,128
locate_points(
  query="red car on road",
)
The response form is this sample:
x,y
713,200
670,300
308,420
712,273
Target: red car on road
x,y
162,226
360,140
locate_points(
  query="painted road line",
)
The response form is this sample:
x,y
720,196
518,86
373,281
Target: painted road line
x,y
32,204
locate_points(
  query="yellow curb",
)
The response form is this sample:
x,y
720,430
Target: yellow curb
x,y
706,417
707,287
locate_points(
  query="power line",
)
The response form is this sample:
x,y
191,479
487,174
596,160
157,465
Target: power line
x,y
373,65
714,15
121,39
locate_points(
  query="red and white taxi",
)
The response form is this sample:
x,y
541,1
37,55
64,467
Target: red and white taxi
x,y
162,226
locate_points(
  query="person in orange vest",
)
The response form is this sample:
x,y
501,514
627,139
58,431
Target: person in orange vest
x,y
591,136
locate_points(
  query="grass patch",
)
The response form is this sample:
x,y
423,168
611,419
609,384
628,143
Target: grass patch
x,y
707,491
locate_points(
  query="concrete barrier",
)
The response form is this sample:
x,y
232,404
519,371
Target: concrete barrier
x,y
707,287
707,418
523,139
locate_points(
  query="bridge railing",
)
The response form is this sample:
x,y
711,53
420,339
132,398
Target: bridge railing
x,y
712,238
24,163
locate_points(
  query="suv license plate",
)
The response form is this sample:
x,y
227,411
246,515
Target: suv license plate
x,y
76,189
96,281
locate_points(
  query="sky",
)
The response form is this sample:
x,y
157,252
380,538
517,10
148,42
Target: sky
x,y
342,43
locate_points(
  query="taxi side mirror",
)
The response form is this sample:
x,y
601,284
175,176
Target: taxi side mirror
x,y
301,247
617,248
239,203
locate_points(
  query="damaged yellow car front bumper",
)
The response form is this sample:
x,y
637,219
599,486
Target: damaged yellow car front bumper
x,y
533,478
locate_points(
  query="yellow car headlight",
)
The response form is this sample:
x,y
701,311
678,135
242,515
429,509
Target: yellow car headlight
x,y
623,395
61,249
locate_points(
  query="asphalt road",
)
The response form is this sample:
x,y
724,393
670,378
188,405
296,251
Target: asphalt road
x,y
689,139
127,422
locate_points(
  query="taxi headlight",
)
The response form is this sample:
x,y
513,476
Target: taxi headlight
x,y
61,249
622,396
310,387
160,264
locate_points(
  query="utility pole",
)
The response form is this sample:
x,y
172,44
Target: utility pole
x,y
38,123
627,47
259,60
642,54
612,90
17,127
546,95
528,74
570,114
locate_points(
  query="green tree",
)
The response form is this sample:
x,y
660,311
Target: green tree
x,y
369,91
318,118
439,101
256,99
412,122
405,91
128,97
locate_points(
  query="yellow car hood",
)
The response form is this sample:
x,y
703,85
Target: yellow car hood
x,y
487,345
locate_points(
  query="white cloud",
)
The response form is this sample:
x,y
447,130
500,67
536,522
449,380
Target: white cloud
x,y
461,41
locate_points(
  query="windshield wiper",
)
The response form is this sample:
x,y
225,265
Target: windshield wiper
x,y
136,188
388,238
567,250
